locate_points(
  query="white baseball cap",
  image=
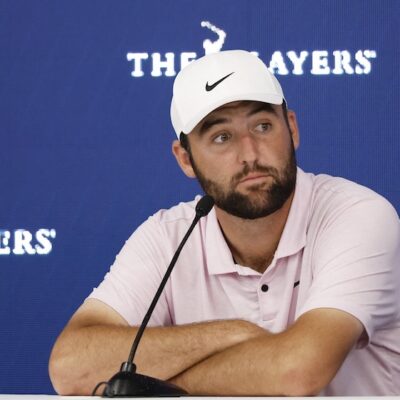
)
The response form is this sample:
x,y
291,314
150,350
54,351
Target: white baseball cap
x,y
217,79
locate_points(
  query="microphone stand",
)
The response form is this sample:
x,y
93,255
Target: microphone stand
x,y
126,382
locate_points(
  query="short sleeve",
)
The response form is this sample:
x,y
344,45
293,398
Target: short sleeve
x,y
133,279
356,264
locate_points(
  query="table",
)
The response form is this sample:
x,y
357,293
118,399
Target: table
x,y
50,397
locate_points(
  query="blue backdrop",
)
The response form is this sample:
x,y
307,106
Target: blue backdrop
x,y
85,89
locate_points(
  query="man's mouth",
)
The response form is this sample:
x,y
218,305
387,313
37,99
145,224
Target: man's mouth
x,y
253,178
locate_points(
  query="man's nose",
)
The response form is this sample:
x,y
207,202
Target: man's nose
x,y
247,149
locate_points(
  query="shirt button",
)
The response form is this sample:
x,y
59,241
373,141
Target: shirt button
x,y
264,288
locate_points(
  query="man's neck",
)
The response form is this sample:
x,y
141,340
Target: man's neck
x,y
253,242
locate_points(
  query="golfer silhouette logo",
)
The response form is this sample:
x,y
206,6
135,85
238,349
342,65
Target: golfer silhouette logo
x,y
216,45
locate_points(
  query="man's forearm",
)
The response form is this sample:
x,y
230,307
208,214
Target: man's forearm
x,y
259,367
246,369
85,356
300,361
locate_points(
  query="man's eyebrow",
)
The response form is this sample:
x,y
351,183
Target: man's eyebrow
x,y
258,107
208,123
262,107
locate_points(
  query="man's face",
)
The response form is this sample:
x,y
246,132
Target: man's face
x,y
243,156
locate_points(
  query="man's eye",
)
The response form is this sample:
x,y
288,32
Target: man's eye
x,y
263,127
221,138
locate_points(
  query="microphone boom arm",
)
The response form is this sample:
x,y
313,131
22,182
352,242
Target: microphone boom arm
x,y
159,290
127,382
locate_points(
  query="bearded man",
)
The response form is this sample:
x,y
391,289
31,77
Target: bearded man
x,y
289,286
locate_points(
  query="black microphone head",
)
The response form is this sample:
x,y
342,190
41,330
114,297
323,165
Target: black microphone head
x,y
204,206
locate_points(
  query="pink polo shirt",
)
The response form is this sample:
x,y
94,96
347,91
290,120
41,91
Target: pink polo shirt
x,y
340,249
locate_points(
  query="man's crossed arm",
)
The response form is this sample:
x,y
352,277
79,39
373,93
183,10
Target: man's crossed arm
x,y
230,357
298,362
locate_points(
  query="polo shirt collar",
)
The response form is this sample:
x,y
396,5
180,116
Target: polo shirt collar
x,y
294,235
219,256
293,239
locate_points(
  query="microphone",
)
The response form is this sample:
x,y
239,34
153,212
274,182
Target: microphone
x,y
126,382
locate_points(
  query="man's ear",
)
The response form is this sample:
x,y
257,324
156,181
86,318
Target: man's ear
x,y
183,159
294,128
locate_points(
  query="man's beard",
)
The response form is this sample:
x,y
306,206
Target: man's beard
x,y
261,202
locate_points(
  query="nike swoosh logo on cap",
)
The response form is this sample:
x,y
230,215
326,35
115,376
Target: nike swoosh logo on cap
x,y
214,85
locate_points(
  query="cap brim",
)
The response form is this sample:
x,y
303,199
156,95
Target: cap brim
x,y
263,97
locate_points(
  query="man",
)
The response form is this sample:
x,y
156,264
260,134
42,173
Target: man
x,y
290,286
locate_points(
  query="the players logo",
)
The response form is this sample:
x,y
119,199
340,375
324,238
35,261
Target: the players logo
x,y
21,241
216,45
291,62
